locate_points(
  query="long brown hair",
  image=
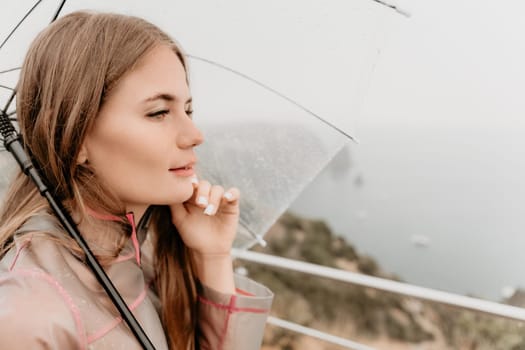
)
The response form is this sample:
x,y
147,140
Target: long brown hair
x,y
68,71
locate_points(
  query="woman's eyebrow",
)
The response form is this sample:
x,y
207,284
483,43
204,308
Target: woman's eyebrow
x,y
165,97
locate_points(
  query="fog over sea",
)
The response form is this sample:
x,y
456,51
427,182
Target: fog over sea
x,y
439,206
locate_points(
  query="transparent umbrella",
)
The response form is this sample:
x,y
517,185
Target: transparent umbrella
x,y
276,85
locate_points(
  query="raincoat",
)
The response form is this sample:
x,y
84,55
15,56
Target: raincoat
x,y
49,299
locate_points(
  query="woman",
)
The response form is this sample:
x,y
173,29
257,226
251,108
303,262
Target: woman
x,y
105,110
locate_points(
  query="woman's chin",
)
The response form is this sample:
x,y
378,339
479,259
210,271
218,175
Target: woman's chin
x,y
181,196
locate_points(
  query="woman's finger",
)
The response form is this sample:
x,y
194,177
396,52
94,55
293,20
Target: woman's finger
x,y
203,194
231,196
195,181
214,201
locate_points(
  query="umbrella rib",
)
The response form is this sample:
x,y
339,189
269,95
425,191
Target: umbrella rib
x,y
10,70
57,12
6,87
7,38
268,88
393,7
20,23
256,236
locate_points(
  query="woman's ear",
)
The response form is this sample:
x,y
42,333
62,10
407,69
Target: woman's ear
x,y
82,157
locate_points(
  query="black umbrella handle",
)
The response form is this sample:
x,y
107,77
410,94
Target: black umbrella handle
x,y
12,144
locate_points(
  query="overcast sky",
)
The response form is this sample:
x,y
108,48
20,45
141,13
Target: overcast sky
x,y
452,62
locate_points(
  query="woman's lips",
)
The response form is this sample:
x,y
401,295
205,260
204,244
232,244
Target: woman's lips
x,y
184,171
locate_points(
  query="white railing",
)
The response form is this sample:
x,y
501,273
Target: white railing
x,y
294,327
460,301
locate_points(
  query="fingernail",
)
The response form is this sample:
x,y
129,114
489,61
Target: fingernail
x,y
195,180
202,200
228,196
209,209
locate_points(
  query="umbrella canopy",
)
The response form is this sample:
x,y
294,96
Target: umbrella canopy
x,y
276,86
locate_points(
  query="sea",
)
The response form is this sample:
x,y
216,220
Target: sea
x,y
440,206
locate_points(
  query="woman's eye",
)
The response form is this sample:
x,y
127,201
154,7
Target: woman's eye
x,y
189,112
160,113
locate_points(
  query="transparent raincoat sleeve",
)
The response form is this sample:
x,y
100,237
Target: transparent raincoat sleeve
x,y
225,321
235,321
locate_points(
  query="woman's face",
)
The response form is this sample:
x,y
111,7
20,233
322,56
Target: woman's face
x,y
141,145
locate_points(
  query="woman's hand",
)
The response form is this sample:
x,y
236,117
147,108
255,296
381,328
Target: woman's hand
x,y
207,222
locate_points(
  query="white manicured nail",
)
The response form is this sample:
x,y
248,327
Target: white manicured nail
x,y
195,180
228,196
202,200
209,209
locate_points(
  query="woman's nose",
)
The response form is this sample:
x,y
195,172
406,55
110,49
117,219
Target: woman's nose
x,y
190,135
